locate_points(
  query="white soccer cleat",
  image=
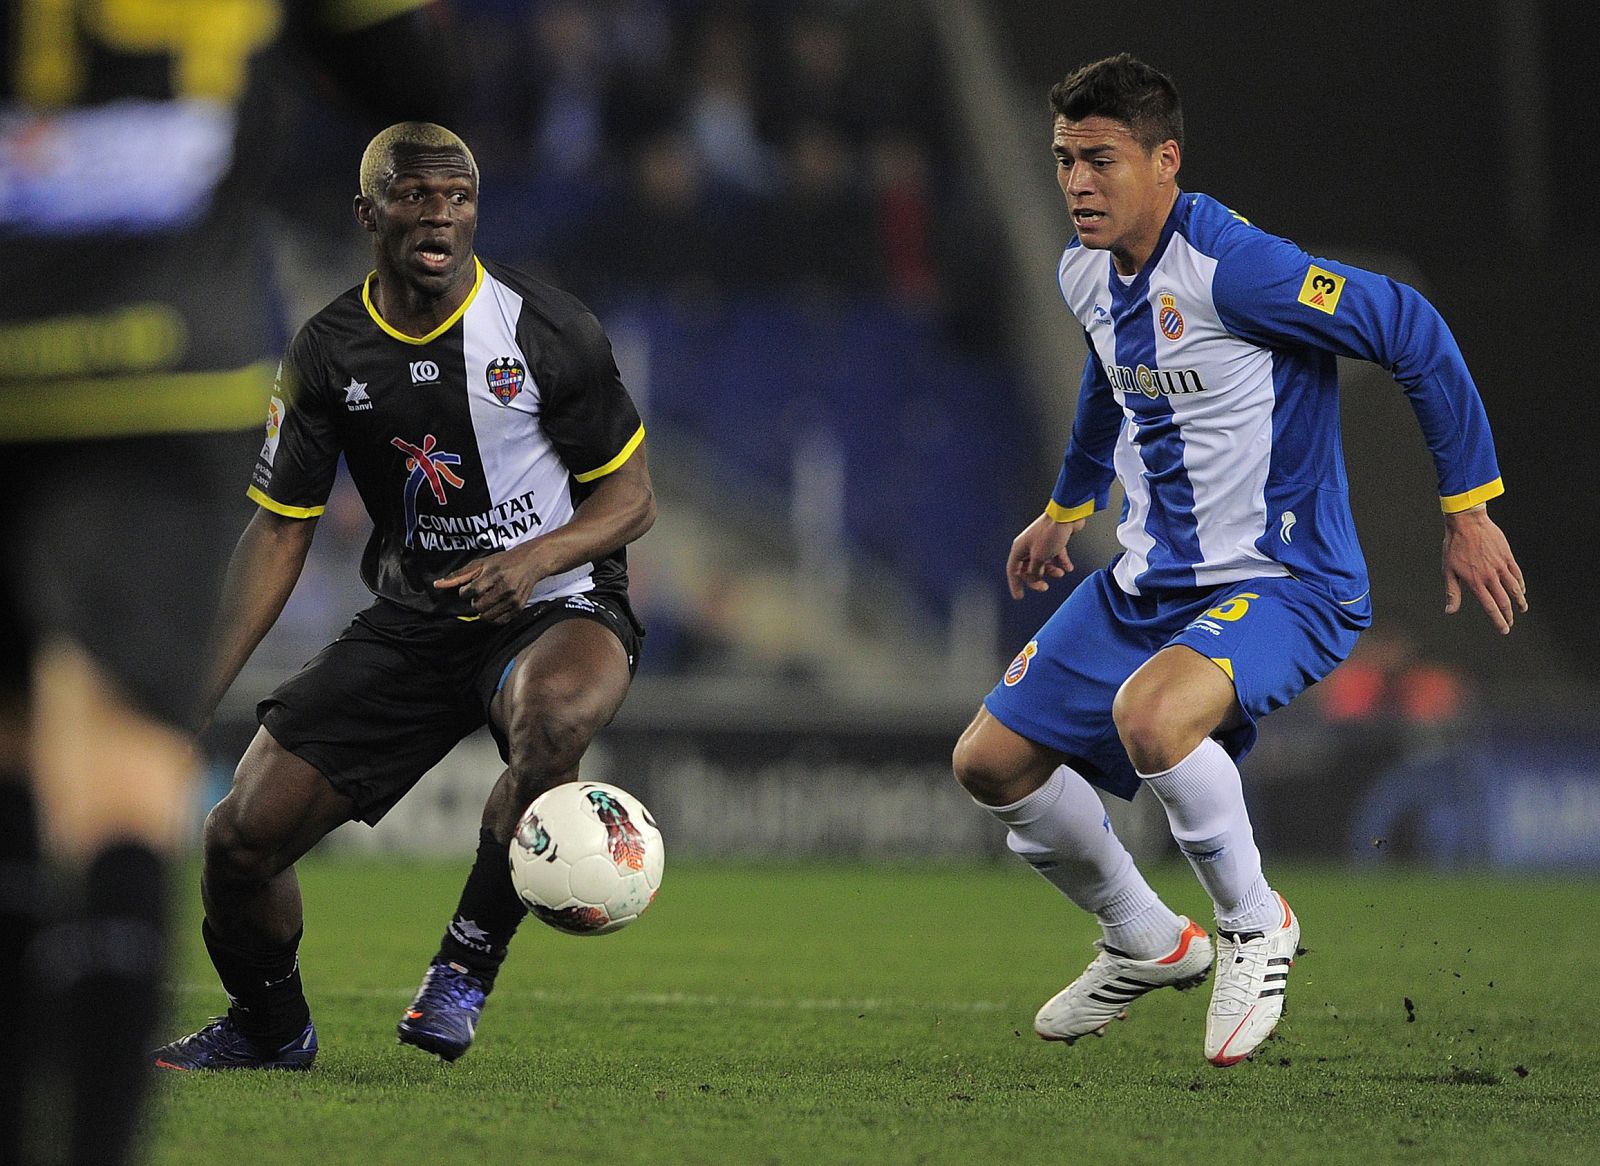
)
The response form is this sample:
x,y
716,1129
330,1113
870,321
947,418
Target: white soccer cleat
x,y
1247,999
1112,982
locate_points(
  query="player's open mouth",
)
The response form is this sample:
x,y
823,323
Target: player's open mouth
x,y
434,255
1086,216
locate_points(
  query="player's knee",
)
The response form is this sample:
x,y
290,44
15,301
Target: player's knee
x,y
235,848
980,773
1152,725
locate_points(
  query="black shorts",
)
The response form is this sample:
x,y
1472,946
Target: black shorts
x,y
120,546
383,704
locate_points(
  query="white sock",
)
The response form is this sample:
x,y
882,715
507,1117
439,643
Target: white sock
x,y
1061,830
1204,800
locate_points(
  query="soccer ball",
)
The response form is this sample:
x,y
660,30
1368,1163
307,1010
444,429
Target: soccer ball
x,y
587,858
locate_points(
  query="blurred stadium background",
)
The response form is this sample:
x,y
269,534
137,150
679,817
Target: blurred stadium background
x,y
823,236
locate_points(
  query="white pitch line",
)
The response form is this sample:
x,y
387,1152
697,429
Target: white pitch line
x,y
674,1000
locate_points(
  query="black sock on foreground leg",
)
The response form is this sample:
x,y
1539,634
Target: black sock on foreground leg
x,y
106,968
23,907
487,916
266,998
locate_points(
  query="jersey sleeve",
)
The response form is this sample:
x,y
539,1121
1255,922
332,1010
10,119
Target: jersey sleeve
x,y
298,461
1270,292
587,413
1084,484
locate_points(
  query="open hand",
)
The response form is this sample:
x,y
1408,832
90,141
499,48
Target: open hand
x,y
1039,554
1478,560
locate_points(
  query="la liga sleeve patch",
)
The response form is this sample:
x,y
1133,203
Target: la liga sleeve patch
x,y
1321,289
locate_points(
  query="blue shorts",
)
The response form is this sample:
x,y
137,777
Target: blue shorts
x,y
1274,637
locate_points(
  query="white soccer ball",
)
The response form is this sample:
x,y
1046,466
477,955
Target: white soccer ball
x,y
587,858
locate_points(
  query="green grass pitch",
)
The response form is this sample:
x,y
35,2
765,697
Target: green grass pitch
x,y
822,1014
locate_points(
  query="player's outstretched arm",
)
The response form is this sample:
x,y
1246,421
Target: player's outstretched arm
x,y
1039,554
262,573
1478,561
622,507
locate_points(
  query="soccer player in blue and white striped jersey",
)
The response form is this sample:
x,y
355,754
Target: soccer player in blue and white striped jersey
x,y
1211,394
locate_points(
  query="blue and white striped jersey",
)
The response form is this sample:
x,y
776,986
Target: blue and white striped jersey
x,y
1211,393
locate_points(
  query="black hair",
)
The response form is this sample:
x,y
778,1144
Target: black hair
x,y
1127,90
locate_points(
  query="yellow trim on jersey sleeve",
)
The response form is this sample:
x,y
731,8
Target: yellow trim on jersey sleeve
x,y
615,463
1224,663
1068,513
372,310
1456,503
351,15
262,500
138,405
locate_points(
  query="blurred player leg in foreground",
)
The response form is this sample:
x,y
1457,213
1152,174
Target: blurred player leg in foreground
x,y
135,322
117,548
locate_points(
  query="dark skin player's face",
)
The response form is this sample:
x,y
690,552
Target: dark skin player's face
x,y
423,224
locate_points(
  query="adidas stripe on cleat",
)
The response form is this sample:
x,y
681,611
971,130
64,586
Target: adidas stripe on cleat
x,y
1252,980
1113,981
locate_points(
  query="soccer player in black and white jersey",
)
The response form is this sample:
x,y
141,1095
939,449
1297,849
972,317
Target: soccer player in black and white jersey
x,y
484,423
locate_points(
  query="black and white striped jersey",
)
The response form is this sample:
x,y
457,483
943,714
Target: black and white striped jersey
x,y
485,433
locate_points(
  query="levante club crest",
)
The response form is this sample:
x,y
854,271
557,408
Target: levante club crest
x,y
505,375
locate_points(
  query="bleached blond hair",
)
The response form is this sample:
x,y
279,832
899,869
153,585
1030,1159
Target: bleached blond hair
x,y
377,160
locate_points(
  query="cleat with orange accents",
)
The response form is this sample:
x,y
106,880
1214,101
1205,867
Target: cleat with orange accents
x,y
1113,981
443,1018
1252,978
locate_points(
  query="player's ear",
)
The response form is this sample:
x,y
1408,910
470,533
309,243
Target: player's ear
x,y
365,212
1169,157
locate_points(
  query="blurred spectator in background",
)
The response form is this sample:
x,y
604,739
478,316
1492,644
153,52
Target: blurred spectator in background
x,y
658,233
819,80
1386,679
817,233
810,167
904,212
721,113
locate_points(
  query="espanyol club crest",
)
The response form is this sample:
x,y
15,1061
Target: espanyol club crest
x,y
505,375
1170,319
1019,666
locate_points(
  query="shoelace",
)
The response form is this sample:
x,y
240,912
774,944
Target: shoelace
x,y
1240,987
